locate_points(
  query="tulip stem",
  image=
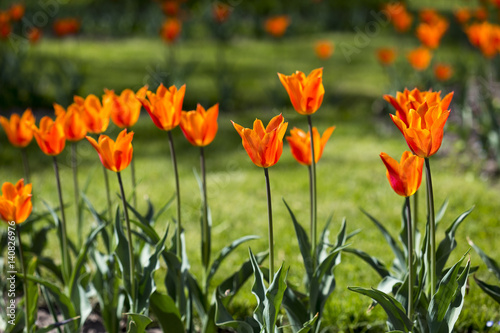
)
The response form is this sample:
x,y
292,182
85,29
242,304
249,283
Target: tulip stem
x,y
178,193
130,246
134,184
414,217
65,257
26,165
432,227
25,282
74,166
108,197
270,224
313,191
205,227
411,271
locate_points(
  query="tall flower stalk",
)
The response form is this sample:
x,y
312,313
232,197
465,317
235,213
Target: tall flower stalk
x,y
411,249
432,227
64,239
270,224
313,191
177,192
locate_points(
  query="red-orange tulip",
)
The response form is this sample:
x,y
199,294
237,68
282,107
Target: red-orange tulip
x,y
170,30
221,12
420,58
462,15
50,136
165,106
126,108
115,156
94,115
486,37
263,145
74,127
15,202
324,49
429,16
66,26
34,35
399,16
276,26
300,144
170,8
443,72
386,56
200,126
424,130
430,34
481,14
306,93
405,177
16,11
18,129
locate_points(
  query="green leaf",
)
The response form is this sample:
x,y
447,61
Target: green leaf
x,y
53,326
448,243
99,220
490,290
206,240
304,245
395,312
137,323
274,298
224,319
375,263
309,325
166,312
33,294
490,262
122,255
323,244
259,290
296,311
442,210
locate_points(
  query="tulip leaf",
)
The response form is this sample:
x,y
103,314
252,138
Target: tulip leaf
x,y
490,262
442,210
396,314
375,263
309,325
166,312
259,290
323,244
274,298
490,290
122,255
33,294
99,220
137,323
224,319
448,243
206,239
196,294
304,245
296,311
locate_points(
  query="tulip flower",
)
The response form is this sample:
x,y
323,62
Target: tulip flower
x,y
165,106
200,126
16,11
306,93
221,12
50,136
263,145
486,37
18,129
399,16
462,15
386,56
300,144
15,202
74,127
405,177
430,34
276,26
94,115
126,108
170,30
443,72
66,26
34,35
420,58
429,16
115,156
324,49
424,131
170,8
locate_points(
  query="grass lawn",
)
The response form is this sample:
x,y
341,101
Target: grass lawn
x,y
350,174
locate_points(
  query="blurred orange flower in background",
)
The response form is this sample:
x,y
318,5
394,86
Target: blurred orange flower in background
x,y
399,16
170,7
66,26
34,35
170,30
50,136
74,127
276,26
462,15
15,202
115,156
200,126
306,93
165,106
405,177
429,16
386,56
96,117
16,11
300,144
481,14
486,37
5,27
324,49
419,58
221,12
264,146
19,129
430,34
125,108
443,72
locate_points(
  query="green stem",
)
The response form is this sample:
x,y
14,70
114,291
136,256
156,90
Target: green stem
x,y
205,228
134,184
74,167
313,191
270,224
25,282
64,240
414,216
108,196
26,165
411,271
130,246
178,193
432,228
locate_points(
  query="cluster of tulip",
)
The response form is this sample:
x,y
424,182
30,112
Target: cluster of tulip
x,y
14,15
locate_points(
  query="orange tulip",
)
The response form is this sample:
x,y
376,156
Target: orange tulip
x,y
34,35
443,72
430,34
170,8
399,16
423,131
200,126
486,37
18,129
481,14
306,93
462,15
74,126
96,117
170,30
263,145
420,58
405,177
386,56
300,144
66,26
15,202
324,49
429,16
407,100
50,136
126,108
5,27
276,26
165,106
221,12
115,156
16,11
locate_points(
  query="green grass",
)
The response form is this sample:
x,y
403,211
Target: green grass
x,y
350,174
